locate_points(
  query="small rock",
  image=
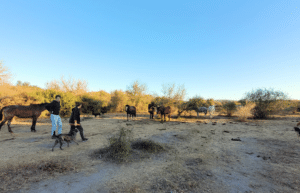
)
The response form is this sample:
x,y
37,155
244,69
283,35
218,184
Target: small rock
x,y
226,131
224,124
236,139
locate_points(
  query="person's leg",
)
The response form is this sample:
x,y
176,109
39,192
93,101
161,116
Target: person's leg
x,y
53,121
72,129
81,133
59,124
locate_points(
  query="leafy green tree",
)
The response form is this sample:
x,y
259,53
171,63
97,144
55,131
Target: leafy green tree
x,y
267,101
118,100
195,102
135,92
230,107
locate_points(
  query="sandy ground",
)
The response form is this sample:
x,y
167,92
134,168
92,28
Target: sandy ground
x,y
200,157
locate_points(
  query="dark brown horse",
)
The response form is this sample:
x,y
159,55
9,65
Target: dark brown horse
x,y
151,109
32,111
131,111
163,111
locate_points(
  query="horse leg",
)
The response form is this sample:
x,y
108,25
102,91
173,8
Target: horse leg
x,y
2,123
8,125
127,116
34,119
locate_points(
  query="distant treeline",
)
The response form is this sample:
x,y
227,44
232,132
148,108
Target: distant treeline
x,y
25,94
263,102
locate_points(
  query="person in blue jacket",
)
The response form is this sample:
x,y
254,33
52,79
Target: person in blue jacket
x,y
54,109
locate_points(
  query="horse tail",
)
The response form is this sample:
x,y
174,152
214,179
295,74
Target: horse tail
x,y
1,114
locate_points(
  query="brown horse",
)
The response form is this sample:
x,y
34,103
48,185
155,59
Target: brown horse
x,y
163,111
32,111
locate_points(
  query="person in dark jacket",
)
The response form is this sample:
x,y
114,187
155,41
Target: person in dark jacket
x,y
75,121
54,108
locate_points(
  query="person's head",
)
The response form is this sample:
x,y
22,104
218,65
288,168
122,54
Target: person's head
x,y
57,98
78,105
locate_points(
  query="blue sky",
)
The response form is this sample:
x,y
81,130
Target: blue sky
x,y
216,49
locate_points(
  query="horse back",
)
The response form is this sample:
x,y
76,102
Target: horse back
x,y
21,111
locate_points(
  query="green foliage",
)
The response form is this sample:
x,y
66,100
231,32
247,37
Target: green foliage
x,y
137,96
195,102
267,102
230,107
210,102
118,101
90,104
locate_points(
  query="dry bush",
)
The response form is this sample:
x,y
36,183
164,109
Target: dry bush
x,y
245,111
123,149
16,176
119,148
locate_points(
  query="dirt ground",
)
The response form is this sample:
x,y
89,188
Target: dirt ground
x,y
201,157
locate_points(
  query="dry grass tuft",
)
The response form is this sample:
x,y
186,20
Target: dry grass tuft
x,y
123,149
119,148
17,176
244,112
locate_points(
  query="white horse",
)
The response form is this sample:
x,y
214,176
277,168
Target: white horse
x,y
211,110
201,110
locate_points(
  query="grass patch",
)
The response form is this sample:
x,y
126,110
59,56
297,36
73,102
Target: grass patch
x,y
13,177
119,147
123,149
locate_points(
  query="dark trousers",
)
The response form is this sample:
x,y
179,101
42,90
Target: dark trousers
x,y
80,130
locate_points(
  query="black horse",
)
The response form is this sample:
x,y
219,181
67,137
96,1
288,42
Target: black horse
x,y
163,111
32,111
131,111
151,110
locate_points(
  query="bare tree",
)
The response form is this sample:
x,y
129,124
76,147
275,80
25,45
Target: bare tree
x,y
172,93
75,86
5,75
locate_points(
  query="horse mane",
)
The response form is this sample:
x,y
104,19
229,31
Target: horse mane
x,y
39,105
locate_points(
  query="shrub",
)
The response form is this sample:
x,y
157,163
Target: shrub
x,y
267,102
195,102
230,107
244,112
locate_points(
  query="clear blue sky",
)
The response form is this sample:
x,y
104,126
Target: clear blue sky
x,y
217,49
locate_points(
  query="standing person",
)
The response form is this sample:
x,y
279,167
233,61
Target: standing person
x,y
54,108
75,120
